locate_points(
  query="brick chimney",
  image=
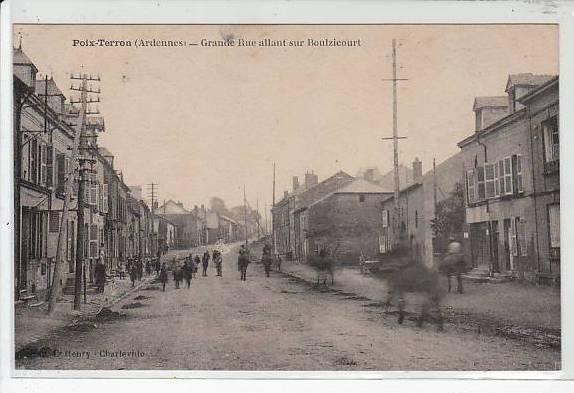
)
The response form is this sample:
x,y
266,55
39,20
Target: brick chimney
x,y
417,170
295,183
311,180
369,174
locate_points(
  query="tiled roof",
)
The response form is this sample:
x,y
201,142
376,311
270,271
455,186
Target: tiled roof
x,y
53,89
490,102
361,186
21,58
527,79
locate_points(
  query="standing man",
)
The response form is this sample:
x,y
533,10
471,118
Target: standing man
x,y
100,273
243,261
188,272
205,262
453,264
163,276
196,262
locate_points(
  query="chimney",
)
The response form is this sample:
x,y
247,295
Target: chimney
x,y
369,175
488,110
417,170
295,183
311,180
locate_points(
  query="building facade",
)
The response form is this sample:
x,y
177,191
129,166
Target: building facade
x,y
507,188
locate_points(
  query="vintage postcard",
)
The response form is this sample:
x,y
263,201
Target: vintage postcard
x,y
267,197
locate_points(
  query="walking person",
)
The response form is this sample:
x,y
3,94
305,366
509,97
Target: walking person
x,y
177,276
100,275
147,267
133,274
196,262
243,261
163,276
157,267
218,264
187,273
205,262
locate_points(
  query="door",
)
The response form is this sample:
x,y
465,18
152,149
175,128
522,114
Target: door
x,y
507,254
24,248
495,239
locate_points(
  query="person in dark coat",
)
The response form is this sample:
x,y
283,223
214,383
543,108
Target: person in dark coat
x,y
243,261
205,262
188,272
157,267
178,276
133,274
147,267
140,269
218,264
100,276
163,275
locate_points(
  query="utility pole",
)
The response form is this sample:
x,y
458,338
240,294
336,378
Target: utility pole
x,y
245,213
395,138
152,194
258,226
83,158
272,217
71,171
434,186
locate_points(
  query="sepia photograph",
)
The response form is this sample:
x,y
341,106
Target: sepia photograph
x,y
286,197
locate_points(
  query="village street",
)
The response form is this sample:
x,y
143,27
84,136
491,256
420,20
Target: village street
x,y
276,323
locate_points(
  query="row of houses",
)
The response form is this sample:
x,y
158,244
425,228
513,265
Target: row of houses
x,y
200,226
117,222
499,195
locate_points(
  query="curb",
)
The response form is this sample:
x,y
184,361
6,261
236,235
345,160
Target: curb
x,y
536,337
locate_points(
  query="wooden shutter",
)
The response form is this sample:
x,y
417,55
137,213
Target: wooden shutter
x,y
49,166
61,172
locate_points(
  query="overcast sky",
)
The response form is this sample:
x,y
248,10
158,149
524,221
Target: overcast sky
x,y
204,121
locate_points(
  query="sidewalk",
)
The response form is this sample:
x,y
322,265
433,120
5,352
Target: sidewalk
x,y
508,306
32,322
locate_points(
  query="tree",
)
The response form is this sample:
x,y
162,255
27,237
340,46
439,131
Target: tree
x,y
450,214
217,205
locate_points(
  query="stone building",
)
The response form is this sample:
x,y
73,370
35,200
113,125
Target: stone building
x,y
345,221
286,242
512,194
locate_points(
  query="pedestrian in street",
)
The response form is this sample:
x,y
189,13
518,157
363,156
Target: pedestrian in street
x,y
133,274
205,262
163,276
218,264
121,271
243,261
278,260
139,265
100,276
147,267
453,263
187,273
196,262
157,266
177,276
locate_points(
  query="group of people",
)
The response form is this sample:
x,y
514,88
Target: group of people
x,y
188,270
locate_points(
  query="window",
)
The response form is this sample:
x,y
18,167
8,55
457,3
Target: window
x,y
361,198
551,140
54,225
42,161
508,175
385,218
502,189
554,225
34,161
93,241
496,180
489,180
49,166
513,242
517,175
480,183
470,193
105,201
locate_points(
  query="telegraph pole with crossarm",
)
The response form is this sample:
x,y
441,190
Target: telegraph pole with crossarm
x,y
395,138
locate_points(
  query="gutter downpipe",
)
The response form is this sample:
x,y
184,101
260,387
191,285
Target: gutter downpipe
x,y
534,193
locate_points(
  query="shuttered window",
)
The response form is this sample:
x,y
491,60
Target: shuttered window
x,y
49,166
554,225
489,180
470,189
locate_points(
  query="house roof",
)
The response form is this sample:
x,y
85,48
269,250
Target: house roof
x,y
539,89
319,190
527,79
490,102
52,87
20,58
361,186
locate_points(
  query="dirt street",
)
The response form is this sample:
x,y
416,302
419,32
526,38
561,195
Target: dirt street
x,y
276,323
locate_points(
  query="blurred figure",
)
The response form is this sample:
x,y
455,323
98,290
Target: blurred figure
x,y
163,275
